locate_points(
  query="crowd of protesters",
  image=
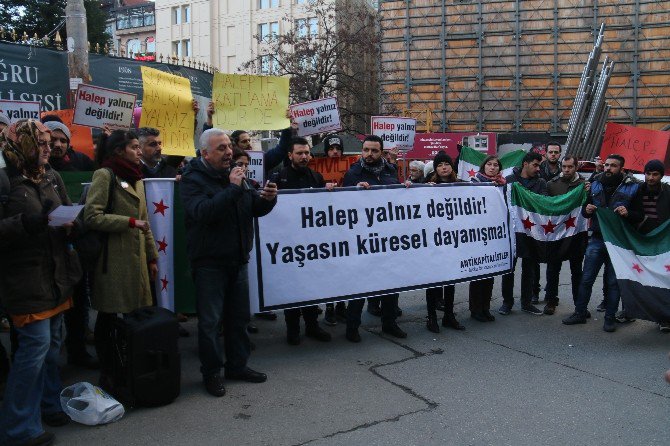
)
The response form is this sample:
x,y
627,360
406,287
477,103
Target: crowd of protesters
x,y
44,280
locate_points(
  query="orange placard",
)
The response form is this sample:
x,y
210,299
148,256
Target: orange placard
x,y
333,169
636,145
82,139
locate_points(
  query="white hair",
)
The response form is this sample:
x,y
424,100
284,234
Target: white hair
x,y
417,164
428,169
207,135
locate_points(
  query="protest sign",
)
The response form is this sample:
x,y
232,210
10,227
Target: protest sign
x,y
82,140
17,110
250,102
332,169
256,168
97,107
636,145
348,244
427,145
394,131
316,116
168,106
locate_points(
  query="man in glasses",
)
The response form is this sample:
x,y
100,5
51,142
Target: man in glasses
x,y
612,189
153,163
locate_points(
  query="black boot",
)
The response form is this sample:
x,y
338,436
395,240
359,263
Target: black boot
x,y
431,324
449,320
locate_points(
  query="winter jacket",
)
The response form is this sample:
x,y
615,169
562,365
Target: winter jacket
x,y
125,286
219,216
290,178
546,173
161,170
639,219
72,161
356,174
621,196
535,184
37,271
557,186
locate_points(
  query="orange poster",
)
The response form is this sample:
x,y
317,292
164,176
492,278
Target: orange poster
x,y
82,140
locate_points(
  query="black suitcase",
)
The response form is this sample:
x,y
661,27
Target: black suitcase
x,y
147,364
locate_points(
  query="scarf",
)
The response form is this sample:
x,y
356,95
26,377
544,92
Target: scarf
x,y
498,179
375,169
124,169
21,151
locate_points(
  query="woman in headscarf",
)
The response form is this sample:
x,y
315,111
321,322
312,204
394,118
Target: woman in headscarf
x,y
121,277
481,290
38,269
443,173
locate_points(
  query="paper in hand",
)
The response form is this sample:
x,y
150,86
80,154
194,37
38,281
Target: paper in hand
x,y
64,214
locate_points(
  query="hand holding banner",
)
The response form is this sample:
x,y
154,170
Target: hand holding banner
x,y
250,102
168,106
99,107
315,117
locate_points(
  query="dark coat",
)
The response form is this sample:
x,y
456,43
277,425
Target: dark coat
x,y
557,186
546,173
643,223
290,178
536,184
72,161
219,216
619,196
37,272
356,174
162,170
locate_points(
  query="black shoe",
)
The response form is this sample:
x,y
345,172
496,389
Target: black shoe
x,y
575,318
478,316
394,331
214,385
251,328
55,419
248,375
449,320
489,317
375,310
431,324
352,335
609,325
85,360
183,333
329,318
293,338
622,318
505,309
267,315
341,311
531,309
45,439
440,304
549,309
317,333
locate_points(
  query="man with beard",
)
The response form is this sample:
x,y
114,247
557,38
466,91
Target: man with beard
x,y
63,157
568,180
614,190
153,163
551,167
372,169
298,176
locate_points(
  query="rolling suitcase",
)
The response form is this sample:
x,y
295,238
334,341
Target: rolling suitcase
x,y
147,364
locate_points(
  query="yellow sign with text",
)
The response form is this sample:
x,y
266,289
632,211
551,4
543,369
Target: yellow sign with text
x,y
249,102
167,106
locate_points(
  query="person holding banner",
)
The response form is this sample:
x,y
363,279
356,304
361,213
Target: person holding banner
x,y
444,173
219,214
298,176
480,291
372,170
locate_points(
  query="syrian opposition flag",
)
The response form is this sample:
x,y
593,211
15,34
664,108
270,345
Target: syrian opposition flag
x,y
642,266
160,206
547,228
470,160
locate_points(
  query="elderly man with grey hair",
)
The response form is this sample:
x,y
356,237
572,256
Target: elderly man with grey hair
x,y
219,208
416,171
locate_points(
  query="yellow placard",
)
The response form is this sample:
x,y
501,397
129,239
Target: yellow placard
x,y
245,102
167,106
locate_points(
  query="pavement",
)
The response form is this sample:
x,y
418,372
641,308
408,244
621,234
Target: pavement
x,y
521,380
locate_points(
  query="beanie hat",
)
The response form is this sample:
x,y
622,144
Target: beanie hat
x,y
654,166
55,125
442,157
333,140
4,119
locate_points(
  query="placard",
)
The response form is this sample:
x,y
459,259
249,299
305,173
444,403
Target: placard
x,y
246,102
332,169
636,145
256,170
427,145
97,107
396,132
17,110
315,117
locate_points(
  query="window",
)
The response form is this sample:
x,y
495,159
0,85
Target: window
x,y
313,26
186,13
268,31
133,46
176,48
265,4
186,44
268,65
305,27
176,16
151,45
135,17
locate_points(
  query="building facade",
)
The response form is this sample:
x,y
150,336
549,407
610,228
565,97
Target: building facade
x,y
132,25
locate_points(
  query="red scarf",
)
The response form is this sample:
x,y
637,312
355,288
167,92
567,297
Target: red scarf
x,y
124,169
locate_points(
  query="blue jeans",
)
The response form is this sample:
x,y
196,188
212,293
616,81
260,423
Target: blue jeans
x,y
222,297
33,382
596,256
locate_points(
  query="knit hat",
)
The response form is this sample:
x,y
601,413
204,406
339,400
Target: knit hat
x,y
333,140
55,125
442,157
654,166
4,119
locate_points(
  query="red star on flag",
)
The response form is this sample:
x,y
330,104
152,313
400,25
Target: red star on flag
x,y
570,222
162,245
549,227
160,207
472,172
164,283
637,268
527,224
667,268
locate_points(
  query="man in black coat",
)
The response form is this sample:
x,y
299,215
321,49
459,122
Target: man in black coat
x,y
220,207
298,176
372,170
152,161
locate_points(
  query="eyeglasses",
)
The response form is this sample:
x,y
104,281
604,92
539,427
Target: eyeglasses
x,y
155,143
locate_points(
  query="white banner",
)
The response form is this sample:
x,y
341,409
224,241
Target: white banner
x,y
315,117
255,171
97,107
160,206
395,131
321,246
17,110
